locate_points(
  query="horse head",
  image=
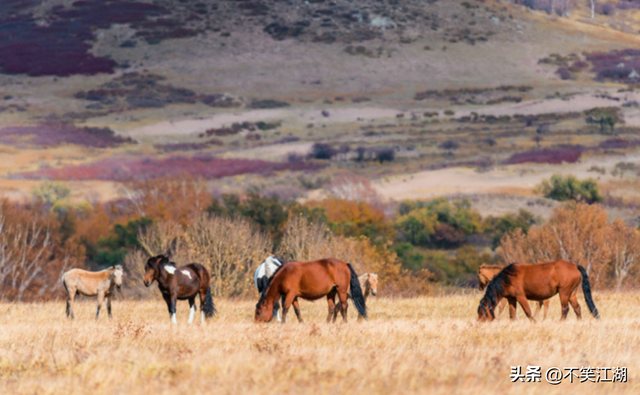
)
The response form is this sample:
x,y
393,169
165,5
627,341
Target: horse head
x,y
485,310
152,268
117,275
263,313
373,283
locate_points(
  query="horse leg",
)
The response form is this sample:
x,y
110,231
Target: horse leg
x,y
70,298
192,308
546,308
174,300
109,306
564,302
296,308
501,306
343,301
525,306
100,301
288,301
573,299
333,307
513,305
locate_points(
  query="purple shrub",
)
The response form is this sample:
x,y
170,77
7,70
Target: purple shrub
x,y
564,73
55,134
558,155
201,166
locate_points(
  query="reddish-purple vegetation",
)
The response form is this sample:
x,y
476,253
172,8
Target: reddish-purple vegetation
x,y
189,146
285,140
617,65
618,143
54,134
202,166
61,47
568,154
628,4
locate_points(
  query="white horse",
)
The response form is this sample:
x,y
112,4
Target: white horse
x,y
263,275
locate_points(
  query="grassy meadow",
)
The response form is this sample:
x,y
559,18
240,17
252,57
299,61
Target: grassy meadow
x,y
421,345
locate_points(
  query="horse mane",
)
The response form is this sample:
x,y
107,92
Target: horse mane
x,y
496,287
263,294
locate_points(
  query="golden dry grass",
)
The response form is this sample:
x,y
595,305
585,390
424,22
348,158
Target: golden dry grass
x,y
425,345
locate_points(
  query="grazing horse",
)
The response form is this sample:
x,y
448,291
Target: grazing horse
x,y
518,282
369,285
184,282
311,281
261,278
100,284
488,272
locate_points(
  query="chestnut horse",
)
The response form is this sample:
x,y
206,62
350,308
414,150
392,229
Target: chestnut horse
x,y
519,282
487,272
180,283
311,281
100,284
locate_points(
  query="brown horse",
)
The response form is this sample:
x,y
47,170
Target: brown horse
x,y
311,281
184,282
518,282
100,284
487,272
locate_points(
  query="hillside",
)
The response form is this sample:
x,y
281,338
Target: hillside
x,y
171,77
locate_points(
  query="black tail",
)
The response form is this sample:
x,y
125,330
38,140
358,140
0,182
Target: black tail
x,y
209,307
356,293
586,289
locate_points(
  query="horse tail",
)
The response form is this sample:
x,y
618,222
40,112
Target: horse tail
x,y
586,290
356,293
209,307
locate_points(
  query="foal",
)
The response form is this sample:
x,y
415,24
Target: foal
x,y
100,284
180,283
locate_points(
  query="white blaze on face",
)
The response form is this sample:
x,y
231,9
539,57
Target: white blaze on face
x,y
186,273
170,269
192,313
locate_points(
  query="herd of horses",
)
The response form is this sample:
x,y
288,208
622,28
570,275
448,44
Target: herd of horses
x,y
280,285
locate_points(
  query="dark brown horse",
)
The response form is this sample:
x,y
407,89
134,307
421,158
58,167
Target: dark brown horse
x,y
518,282
311,281
180,283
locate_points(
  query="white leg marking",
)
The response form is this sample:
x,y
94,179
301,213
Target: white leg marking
x,y
173,319
279,315
186,273
192,313
202,316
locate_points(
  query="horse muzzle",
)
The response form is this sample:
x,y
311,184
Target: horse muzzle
x,y
147,283
374,293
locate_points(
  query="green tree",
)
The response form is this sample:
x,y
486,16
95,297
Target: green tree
x,y
570,188
605,117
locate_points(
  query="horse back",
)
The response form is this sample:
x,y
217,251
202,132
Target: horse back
x,y
542,280
313,279
200,271
85,282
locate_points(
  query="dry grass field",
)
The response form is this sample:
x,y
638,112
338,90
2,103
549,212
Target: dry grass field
x,y
425,345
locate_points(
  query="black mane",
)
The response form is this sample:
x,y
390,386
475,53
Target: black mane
x,y
267,283
496,287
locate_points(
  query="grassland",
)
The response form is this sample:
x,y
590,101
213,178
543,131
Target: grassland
x,y
424,345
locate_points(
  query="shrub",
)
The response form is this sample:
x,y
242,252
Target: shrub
x,y
570,188
385,154
322,151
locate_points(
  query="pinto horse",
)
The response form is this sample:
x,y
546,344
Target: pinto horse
x,y
100,284
180,283
487,272
519,282
262,276
311,281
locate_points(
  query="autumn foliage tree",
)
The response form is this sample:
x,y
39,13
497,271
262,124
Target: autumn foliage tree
x,y
579,233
